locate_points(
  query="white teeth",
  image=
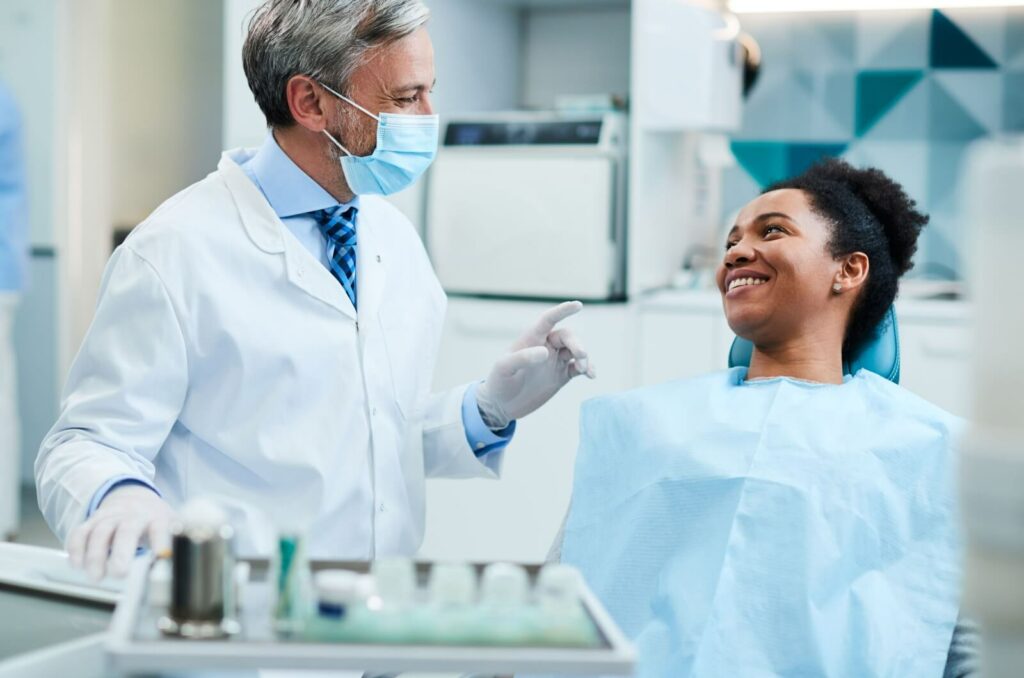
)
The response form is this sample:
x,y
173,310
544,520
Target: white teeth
x,y
740,282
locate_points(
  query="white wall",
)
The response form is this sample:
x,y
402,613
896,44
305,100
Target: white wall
x,y
575,51
167,115
243,124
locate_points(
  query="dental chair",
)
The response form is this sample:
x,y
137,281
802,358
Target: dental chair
x,y
881,356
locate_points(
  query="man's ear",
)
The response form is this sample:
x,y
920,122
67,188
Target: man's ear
x,y
306,102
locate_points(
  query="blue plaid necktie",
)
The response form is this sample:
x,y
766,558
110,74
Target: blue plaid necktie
x,y
339,227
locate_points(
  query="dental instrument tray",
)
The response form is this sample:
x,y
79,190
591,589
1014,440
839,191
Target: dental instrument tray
x,y
430,632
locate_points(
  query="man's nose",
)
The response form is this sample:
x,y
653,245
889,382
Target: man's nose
x,y
426,105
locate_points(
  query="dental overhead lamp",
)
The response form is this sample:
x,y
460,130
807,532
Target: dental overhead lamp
x,y
748,47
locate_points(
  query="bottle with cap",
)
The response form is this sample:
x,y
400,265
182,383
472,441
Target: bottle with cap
x,y
389,619
346,608
448,616
202,599
337,591
563,619
291,582
504,617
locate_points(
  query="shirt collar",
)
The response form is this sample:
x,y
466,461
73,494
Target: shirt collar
x,y
288,189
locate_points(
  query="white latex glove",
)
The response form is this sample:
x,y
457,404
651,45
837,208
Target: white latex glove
x,y
106,542
541,362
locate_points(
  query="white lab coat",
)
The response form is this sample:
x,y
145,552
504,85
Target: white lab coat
x,y
224,360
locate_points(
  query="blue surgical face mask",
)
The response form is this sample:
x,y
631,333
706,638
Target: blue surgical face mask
x,y
406,145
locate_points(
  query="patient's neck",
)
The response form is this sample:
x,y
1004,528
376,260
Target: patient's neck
x,y
810,359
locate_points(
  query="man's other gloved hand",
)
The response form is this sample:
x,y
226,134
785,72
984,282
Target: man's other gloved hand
x,y
129,517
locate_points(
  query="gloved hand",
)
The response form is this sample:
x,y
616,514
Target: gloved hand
x,y
107,541
540,363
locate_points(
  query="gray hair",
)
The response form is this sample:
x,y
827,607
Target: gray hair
x,y
324,39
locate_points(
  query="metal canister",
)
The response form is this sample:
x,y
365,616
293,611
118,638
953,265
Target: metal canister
x,y
202,601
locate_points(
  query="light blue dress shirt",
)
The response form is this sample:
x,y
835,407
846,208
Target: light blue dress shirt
x,y
13,200
293,195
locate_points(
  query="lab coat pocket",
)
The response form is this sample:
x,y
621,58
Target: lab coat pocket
x,y
408,339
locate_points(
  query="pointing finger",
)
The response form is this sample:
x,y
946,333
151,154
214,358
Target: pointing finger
x,y
555,315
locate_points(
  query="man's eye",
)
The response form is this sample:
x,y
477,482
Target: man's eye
x,y
409,100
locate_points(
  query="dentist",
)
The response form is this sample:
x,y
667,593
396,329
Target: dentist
x,y
268,335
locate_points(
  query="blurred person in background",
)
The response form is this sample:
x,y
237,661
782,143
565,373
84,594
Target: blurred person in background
x,y
13,277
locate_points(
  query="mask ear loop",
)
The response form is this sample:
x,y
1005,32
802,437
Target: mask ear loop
x,y
348,101
337,143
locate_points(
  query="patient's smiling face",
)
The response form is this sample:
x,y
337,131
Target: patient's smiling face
x,y
777,272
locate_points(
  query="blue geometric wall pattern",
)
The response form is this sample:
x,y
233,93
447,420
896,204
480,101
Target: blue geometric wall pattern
x,y
951,47
878,92
948,120
1013,103
771,161
902,85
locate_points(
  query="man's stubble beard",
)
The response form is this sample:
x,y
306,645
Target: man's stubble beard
x,y
359,140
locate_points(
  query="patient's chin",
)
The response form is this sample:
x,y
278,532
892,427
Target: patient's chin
x,y
746,322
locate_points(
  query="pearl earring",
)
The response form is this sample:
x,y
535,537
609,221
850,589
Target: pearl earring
x,y
837,288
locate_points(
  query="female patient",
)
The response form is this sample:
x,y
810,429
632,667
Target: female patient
x,y
786,519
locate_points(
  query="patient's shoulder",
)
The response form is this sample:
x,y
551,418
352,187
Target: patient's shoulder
x,y
645,400
672,388
908,404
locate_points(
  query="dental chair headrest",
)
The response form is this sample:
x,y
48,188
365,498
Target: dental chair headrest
x,y
881,356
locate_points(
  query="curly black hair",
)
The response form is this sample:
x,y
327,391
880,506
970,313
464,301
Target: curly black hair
x,y
869,213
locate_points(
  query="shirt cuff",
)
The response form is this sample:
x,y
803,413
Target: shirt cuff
x,y
482,440
112,484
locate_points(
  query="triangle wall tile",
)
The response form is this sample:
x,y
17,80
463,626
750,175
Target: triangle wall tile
x,y
951,47
1014,50
948,119
893,39
1013,102
980,93
764,161
878,92
985,26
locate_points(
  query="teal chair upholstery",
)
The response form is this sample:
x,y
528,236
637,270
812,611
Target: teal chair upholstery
x,y
881,356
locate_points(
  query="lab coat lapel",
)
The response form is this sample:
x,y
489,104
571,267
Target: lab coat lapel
x,y
268,233
310,276
257,216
